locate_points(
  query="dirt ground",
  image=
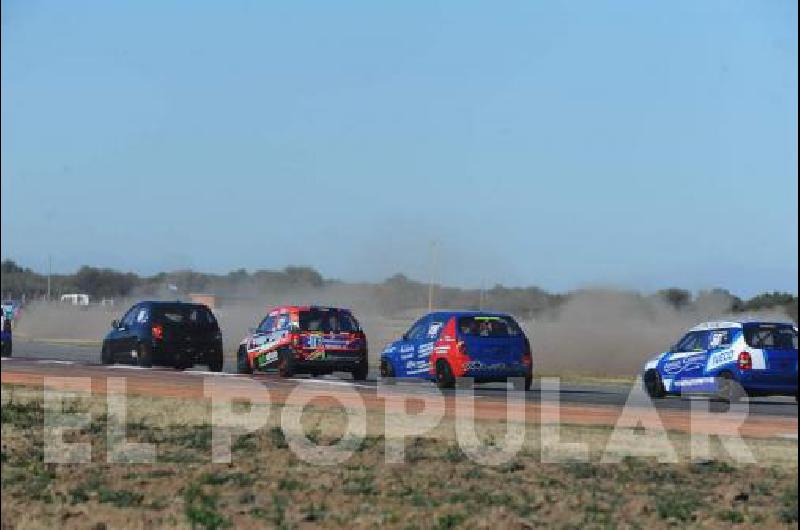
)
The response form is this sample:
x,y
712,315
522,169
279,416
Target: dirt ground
x,y
438,486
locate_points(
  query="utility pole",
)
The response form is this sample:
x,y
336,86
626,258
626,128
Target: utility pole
x,y
49,274
433,275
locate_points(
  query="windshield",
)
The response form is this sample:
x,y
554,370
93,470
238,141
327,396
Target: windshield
x,y
184,314
488,326
328,321
774,336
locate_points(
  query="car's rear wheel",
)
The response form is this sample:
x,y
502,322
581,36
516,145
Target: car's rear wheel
x,y
360,372
7,348
728,389
522,384
242,362
105,355
444,374
286,366
387,368
144,355
653,385
215,361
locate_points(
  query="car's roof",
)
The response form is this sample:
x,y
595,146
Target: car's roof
x,y
468,313
168,302
736,324
294,308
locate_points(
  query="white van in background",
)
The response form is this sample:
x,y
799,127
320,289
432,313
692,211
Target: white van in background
x,y
75,299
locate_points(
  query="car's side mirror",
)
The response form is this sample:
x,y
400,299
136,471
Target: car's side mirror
x,y
405,336
115,324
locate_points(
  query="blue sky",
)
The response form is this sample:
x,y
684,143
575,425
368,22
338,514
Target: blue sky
x,y
562,144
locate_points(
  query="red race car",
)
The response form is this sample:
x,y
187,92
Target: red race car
x,y
305,339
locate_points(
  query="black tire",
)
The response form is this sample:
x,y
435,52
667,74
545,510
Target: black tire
x,y
242,364
8,348
214,361
144,355
444,375
105,355
360,372
524,385
728,389
653,385
387,369
286,366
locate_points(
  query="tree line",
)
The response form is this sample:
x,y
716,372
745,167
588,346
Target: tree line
x,y
395,294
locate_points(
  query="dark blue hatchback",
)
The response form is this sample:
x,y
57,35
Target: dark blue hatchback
x,y
167,333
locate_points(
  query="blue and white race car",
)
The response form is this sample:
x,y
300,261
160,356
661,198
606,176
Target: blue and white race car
x,y
760,356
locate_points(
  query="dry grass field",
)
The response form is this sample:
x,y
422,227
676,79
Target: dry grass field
x,y
438,486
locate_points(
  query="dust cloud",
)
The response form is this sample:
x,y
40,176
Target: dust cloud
x,y
613,333
594,332
236,315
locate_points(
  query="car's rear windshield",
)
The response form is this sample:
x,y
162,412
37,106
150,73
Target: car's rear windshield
x,y
771,336
328,320
488,326
184,314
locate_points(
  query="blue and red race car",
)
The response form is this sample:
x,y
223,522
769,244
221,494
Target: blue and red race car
x,y
728,360
446,345
306,339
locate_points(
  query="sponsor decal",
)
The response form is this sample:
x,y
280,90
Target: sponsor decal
x,y
426,349
316,355
267,358
477,365
694,381
672,367
720,358
676,366
417,366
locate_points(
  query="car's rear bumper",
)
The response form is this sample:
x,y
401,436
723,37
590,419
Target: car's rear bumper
x,y
195,351
331,363
494,375
764,382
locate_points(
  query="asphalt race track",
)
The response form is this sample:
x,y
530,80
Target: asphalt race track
x,y
32,356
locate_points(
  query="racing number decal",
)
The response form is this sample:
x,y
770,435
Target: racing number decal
x,y
314,341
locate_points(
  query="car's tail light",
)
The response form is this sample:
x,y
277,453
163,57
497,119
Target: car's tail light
x,y
295,339
745,361
158,331
527,359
